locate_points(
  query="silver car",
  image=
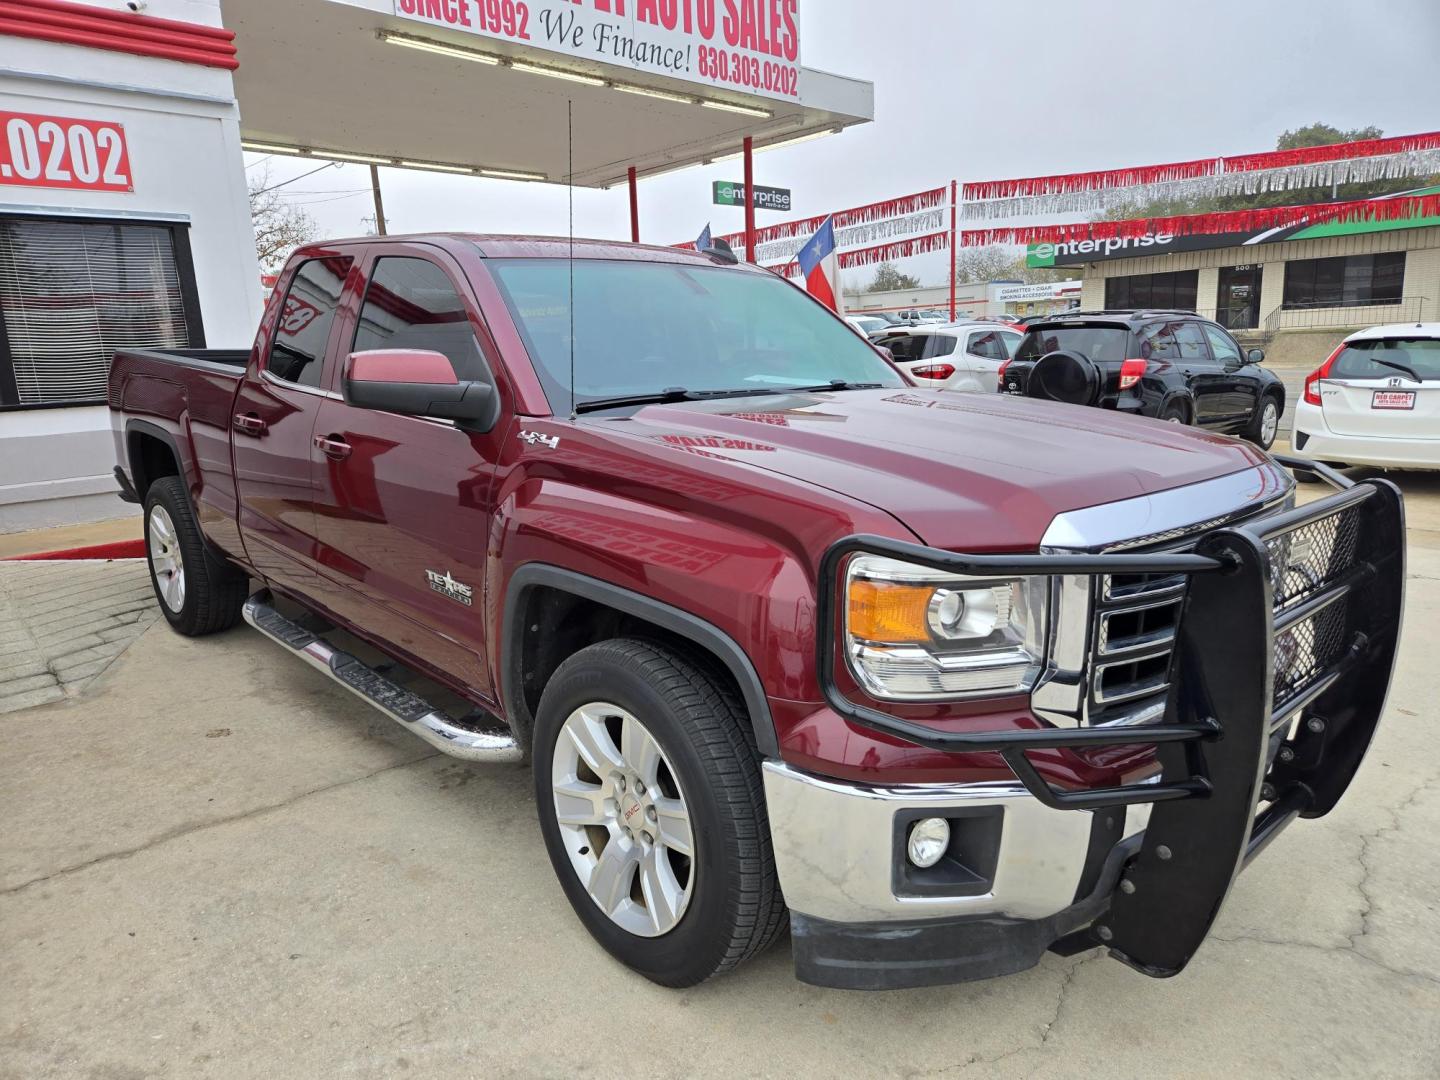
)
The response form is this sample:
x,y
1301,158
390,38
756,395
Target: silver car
x,y
953,356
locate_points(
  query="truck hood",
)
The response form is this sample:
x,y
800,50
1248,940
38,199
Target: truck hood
x,y
973,472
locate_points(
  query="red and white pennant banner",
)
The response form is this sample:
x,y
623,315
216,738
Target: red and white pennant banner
x,y
1393,208
900,249
858,225
1276,170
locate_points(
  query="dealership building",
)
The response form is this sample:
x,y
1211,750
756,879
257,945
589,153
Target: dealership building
x,y
1316,280
973,300
124,213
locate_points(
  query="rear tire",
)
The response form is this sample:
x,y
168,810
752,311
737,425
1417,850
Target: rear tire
x,y
605,705
198,594
1175,413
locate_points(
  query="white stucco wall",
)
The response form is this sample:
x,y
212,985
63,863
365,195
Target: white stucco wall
x,y
183,134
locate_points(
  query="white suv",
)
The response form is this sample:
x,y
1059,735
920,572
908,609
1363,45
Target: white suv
x,y
954,356
1375,401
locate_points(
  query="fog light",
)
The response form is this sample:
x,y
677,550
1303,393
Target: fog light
x,y
928,841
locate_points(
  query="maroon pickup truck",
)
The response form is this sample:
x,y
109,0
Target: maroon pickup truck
x,y
939,681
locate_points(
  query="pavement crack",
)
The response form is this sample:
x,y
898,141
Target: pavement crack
x,y
1353,942
1046,1029
1367,901
182,831
1261,939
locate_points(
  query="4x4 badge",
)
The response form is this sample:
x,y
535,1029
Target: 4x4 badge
x,y
447,586
535,438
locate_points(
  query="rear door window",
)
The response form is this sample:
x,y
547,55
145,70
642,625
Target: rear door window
x,y
1191,342
412,304
1101,344
1386,359
987,344
297,354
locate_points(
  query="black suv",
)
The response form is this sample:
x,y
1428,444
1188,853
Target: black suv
x,y
1170,365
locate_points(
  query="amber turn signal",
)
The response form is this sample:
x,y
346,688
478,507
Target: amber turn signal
x,y
889,612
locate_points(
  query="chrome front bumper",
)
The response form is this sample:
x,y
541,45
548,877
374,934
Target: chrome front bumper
x,y
837,848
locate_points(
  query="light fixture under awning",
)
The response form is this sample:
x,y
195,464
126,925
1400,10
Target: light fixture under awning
x,y
328,86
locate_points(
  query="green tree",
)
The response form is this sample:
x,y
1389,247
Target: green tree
x,y
889,279
1318,134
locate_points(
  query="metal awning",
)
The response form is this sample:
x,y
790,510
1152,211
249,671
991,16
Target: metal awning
x,y
320,77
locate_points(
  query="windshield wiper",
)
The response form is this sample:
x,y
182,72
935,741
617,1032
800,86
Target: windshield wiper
x,y
1396,365
670,396
839,384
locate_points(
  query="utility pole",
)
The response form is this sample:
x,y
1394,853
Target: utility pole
x,y
379,204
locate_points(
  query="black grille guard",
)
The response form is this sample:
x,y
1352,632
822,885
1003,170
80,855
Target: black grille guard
x,y
1225,743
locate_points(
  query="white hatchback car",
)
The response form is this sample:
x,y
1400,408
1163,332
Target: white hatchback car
x,y
1375,401
954,356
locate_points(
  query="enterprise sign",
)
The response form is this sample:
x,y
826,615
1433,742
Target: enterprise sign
x,y
729,193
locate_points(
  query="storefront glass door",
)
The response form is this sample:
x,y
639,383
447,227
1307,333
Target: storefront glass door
x,y
1237,303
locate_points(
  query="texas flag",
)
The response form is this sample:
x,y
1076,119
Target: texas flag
x,y
821,266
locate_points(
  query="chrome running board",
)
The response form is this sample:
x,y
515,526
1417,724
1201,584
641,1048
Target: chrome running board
x,y
492,742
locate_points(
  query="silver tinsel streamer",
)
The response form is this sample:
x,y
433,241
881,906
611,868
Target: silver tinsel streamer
x,y
1415,163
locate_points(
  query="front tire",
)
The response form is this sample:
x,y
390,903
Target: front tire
x,y
653,812
1265,423
197,593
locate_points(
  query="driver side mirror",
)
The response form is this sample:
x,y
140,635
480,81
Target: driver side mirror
x,y
1254,356
418,382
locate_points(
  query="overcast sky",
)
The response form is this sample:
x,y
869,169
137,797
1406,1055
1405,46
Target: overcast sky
x,y
973,90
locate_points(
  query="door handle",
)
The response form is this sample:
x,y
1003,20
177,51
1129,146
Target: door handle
x,y
332,446
249,424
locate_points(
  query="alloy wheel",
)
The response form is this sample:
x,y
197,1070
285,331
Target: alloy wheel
x,y
166,562
1269,423
623,819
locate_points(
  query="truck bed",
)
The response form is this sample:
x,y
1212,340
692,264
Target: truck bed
x,y
198,358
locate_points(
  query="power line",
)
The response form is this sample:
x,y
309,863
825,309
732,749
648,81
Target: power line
x,y
312,172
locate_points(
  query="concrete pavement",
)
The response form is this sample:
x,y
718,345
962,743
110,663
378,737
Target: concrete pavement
x,y
62,623
217,864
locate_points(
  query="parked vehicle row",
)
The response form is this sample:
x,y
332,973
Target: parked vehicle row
x,y
785,638
1167,365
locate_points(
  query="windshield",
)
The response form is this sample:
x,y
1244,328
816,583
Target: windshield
x,y
1389,358
648,327
1100,344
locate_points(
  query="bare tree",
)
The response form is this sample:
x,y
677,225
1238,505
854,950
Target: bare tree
x,y
280,227
1000,262
889,279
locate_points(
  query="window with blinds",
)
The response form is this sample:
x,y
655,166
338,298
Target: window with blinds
x,y
72,292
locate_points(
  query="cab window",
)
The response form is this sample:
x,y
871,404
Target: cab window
x,y
297,354
1225,350
411,304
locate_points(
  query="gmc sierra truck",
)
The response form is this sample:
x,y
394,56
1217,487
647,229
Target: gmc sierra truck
x,y
938,681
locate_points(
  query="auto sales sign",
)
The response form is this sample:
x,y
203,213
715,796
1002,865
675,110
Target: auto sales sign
x,y
750,46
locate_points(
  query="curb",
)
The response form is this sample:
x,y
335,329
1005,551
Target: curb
x,y
121,549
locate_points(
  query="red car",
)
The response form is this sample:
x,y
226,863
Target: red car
x,y
940,682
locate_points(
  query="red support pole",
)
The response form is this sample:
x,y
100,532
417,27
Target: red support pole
x,y
750,200
954,236
634,208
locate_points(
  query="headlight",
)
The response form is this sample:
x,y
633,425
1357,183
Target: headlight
x,y
915,634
